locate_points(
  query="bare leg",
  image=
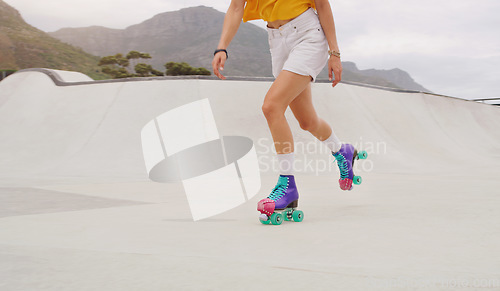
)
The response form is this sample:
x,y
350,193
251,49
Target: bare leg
x,y
284,90
303,110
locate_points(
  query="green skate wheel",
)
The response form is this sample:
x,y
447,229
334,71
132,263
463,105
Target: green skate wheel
x,y
357,180
276,218
362,155
298,215
265,221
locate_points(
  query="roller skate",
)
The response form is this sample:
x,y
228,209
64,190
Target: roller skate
x,y
345,159
281,204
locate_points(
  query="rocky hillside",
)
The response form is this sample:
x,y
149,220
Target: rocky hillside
x,y
188,35
395,78
23,46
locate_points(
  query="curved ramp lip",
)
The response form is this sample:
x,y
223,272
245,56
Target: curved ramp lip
x,y
60,82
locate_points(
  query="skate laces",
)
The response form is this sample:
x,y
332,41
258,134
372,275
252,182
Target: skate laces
x,y
343,166
280,189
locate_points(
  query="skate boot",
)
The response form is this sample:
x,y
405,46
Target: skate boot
x,y
281,204
345,159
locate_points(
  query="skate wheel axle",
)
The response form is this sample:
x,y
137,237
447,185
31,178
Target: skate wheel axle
x,y
288,214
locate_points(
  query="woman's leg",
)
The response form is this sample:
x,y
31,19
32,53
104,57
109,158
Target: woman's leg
x,y
306,115
284,90
303,110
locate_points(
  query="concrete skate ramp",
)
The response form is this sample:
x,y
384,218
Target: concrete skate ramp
x,y
74,130
77,209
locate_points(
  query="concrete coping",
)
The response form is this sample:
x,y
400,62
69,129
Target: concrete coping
x,y
58,81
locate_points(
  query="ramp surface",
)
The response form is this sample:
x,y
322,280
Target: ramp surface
x,y
78,212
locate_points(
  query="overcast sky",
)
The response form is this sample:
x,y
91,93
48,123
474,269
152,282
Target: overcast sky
x,y
451,47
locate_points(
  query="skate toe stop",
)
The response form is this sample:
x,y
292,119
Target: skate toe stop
x,y
345,184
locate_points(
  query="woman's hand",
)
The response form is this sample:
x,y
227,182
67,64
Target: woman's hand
x,y
326,19
334,70
231,24
218,64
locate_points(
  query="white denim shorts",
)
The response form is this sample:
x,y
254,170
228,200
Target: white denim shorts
x,y
299,46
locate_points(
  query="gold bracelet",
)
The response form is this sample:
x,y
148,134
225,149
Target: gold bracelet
x,y
333,53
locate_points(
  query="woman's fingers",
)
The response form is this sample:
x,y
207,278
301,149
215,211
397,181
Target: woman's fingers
x,y
334,70
218,65
338,76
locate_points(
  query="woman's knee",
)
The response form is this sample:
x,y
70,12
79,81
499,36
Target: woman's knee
x,y
309,124
269,110
272,110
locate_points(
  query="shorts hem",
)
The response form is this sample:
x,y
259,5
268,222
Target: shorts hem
x,y
302,73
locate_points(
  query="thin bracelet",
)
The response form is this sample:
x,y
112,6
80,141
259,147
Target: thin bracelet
x,y
333,53
221,50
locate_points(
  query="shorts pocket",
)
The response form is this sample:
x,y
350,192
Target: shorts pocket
x,y
314,35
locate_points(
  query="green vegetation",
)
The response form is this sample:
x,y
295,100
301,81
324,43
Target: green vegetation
x,y
182,69
115,66
144,70
135,55
118,66
5,73
22,46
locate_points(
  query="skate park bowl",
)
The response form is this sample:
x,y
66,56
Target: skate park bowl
x,y
82,209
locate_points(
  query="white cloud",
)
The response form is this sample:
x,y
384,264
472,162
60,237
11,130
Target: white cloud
x,y
450,47
50,15
395,42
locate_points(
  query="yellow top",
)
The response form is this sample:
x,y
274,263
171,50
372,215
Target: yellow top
x,y
272,10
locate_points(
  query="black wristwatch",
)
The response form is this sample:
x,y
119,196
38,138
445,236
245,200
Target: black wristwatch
x,y
221,50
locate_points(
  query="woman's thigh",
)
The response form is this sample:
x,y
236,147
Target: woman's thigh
x,y
302,107
285,89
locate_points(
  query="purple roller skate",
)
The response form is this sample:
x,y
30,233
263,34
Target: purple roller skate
x,y
345,159
281,203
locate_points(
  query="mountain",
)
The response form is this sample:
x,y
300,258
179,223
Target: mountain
x,y
351,73
23,46
395,76
191,35
188,35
